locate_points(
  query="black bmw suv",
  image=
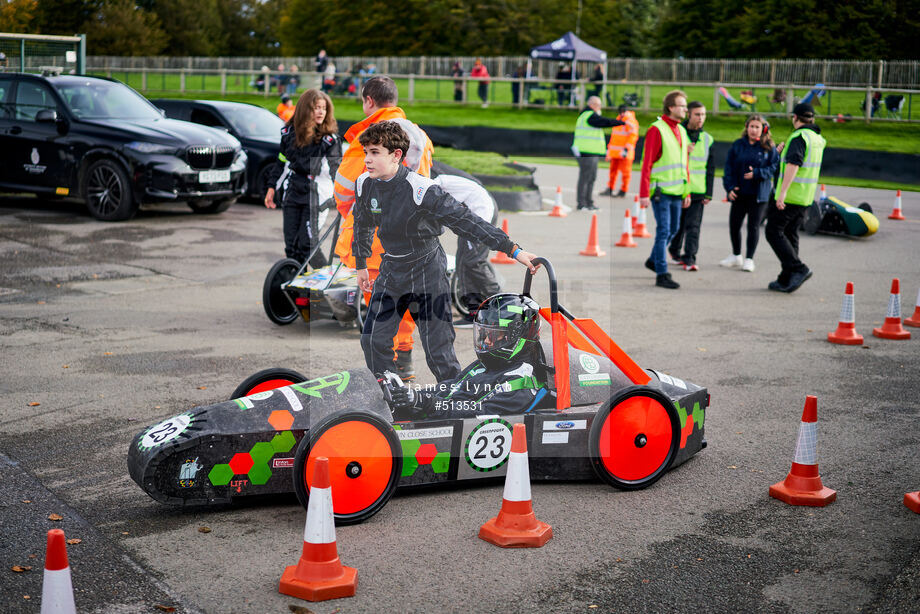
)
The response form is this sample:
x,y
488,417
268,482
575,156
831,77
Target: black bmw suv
x,y
100,140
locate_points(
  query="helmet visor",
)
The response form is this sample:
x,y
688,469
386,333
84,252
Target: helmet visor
x,y
487,338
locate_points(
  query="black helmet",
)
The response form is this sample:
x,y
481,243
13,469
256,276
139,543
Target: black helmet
x,y
506,325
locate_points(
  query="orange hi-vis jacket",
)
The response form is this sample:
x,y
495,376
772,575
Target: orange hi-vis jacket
x,y
418,159
623,138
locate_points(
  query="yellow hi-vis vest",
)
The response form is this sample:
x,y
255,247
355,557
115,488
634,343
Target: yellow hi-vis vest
x,y
588,139
698,158
669,172
802,190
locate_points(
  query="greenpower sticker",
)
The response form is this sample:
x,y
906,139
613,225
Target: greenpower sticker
x,y
589,363
488,445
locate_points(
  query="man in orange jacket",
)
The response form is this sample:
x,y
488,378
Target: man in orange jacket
x,y
622,151
379,97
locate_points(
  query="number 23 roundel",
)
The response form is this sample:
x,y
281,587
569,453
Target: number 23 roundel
x,y
488,445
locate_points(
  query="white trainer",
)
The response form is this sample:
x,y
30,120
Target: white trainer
x,y
732,262
748,265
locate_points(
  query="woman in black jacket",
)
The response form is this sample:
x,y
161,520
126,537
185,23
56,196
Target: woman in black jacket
x,y
311,151
748,181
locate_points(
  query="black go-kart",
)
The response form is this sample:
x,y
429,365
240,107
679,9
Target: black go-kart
x,y
834,217
613,420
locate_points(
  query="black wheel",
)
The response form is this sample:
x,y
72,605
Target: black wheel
x,y
455,295
267,379
866,207
209,207
107,191
278,307
634,438
365,462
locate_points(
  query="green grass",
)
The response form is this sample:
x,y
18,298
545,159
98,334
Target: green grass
x,y
477,162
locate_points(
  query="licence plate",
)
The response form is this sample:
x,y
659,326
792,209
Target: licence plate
x,y
214,176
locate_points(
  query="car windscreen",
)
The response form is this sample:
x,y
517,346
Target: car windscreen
x,y
93,99
253,122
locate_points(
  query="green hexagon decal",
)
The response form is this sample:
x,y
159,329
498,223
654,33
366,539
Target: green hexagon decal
x,y
441,462
409,464
283,442
262,452
260,473
220,475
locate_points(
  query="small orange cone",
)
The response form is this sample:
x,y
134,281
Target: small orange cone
x,y
802,485
641,230
635,212
914,320
557,207
912,501
823,192
319,575
516,526
892,329
57,588
846,328
896,213
626,237
502,257
593,248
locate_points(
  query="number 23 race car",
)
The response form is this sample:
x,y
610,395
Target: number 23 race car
x,y
613,420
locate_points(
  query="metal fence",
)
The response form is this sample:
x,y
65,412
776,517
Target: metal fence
x,y
842,73
38,52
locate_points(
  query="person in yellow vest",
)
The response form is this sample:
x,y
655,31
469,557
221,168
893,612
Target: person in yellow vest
x,y
621,151
588,146
665,181
799,169
702,173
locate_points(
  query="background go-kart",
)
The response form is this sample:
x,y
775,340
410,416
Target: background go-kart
x,y
162,313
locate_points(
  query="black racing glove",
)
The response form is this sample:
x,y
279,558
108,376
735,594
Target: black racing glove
x,y
400,398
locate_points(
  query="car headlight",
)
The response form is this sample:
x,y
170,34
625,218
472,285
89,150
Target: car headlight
x,y
150,148
241,158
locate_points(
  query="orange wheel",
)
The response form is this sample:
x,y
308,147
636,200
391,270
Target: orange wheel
x,y
267,379
365,463
634,438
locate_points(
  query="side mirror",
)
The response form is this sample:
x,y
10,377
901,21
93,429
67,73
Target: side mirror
x,y
46,116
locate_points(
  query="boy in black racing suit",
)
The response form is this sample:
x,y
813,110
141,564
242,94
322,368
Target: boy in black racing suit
x,y
508,377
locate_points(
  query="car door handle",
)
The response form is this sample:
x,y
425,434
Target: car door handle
x,y
15,130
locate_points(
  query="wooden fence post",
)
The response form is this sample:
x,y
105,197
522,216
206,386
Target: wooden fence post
x,y
411,88
181,80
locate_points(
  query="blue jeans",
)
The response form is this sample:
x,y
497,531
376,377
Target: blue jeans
x,y
667,220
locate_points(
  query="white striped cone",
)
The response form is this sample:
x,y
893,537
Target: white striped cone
x,y
823,192
558,211
641,229
319,575
57,587
635,212
896,214
914,320
846,328
891,328
516,526
802,485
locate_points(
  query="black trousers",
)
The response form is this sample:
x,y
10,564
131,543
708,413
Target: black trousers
x,y
783,236
688,232
483,91
587,175
422,288
301,221
478,280
745,205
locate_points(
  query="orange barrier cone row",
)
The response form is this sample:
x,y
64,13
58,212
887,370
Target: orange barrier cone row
x,y
319,575
823,192
802,485
626,238
516,526
641,230
891,328
912,501
914,320
846,328
57,587
502,257
593,248
635,212
557,206
896,213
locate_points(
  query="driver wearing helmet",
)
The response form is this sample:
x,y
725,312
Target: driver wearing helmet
x,y
508,376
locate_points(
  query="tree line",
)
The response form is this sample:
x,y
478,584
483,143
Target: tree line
x,y
871,29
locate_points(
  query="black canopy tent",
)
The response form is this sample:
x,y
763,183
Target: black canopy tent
x,y
567,48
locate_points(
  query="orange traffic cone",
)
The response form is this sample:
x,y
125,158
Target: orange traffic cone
x,y
593,248
846,328
635,212
502,257
641,230
914,320
516,526
319,575
626,237
892,328
912,501
896,213
802,485
823,192
557,206
57,588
